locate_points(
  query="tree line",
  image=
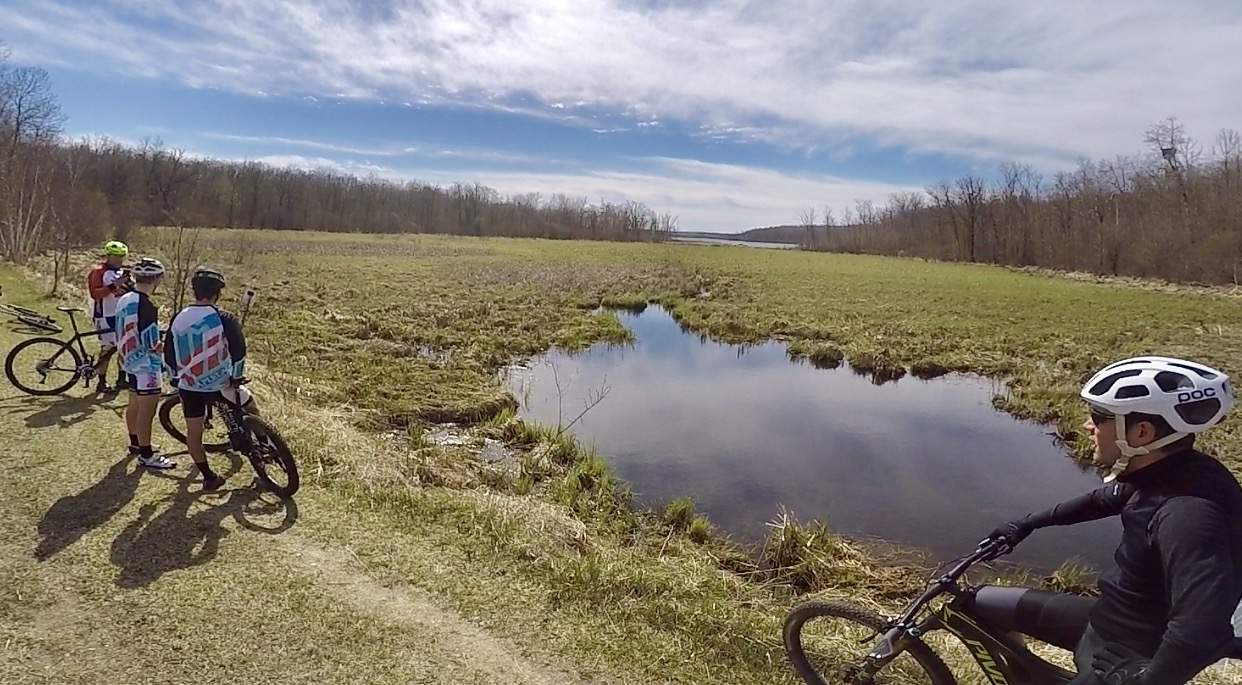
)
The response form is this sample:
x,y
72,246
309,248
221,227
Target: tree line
x,y
1174,213
60,193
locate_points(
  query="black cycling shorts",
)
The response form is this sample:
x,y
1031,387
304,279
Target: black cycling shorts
x,y
194,404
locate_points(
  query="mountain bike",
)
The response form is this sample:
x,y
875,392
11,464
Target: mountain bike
x,y
32,318
50,366
823,639
247,434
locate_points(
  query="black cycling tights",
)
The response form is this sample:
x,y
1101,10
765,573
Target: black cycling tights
x,y
1056,618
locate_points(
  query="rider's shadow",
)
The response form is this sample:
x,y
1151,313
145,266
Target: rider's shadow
x,y
60,411
72,516
158,542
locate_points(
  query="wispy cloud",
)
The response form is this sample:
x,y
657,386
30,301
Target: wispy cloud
x,y
297,142
394,150
1046,81
345,166
705,196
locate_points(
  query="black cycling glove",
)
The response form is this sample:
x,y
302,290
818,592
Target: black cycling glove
x,y
1013,532
1119,665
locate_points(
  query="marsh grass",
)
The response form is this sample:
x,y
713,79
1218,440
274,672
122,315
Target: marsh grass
x,y
382,332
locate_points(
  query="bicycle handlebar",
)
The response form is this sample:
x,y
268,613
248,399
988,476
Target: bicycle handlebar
x,y
987,551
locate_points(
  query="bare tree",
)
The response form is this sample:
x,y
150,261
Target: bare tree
x,y
79,215
30,120
182,250
1228,152
1169,140
808,226
29,112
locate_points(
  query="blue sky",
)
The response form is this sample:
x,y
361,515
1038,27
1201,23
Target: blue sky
x,y
728,114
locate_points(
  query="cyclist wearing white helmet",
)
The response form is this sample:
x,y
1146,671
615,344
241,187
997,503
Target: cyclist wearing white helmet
x,y
1164,612
137,321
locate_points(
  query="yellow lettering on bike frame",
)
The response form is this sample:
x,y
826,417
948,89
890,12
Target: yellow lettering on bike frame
x,y
978,649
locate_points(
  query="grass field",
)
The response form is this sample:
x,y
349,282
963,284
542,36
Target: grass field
x,y
413,327
355,336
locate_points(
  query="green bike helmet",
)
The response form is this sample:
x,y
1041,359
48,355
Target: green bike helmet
x,y
115,248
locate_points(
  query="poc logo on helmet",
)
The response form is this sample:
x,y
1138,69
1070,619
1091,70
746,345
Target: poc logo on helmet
x,y
1195,395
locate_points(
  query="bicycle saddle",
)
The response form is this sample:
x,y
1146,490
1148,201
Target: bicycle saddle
x,y
68,310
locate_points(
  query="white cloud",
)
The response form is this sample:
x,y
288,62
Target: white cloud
x,y
354,167
297,142
471,154
1042,81
703,195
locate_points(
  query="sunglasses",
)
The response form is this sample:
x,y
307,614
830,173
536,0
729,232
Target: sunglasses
x,y
1098,418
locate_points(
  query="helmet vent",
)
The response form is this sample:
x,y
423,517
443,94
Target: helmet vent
x,y
1132,391
1170,381
1127,362
1108,382
1200,412
1203,373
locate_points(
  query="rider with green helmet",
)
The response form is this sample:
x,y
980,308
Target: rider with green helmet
x,y
106,282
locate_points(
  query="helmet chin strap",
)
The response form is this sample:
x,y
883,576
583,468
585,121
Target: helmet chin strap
x,y
1128,452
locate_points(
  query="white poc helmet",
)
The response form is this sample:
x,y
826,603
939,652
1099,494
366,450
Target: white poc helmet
x,y
1191,397
148,267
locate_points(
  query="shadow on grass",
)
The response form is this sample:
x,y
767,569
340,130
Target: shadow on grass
x,y
72,516
60,410
173,539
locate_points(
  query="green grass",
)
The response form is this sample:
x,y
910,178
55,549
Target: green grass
x,y
413,328
373,332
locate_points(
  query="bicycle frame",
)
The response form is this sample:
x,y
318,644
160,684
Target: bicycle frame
x,y
79,336
1002,663
87,369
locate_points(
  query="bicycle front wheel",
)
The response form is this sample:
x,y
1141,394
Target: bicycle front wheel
x,y
43,366
827,643
271,458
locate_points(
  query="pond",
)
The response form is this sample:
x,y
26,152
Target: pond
x,y
735,243
743,430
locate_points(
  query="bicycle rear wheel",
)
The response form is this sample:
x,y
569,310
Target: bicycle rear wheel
x,y
215,433
270,456
828,641
43,366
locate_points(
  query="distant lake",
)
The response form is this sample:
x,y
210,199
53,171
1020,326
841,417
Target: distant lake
x,y
735,243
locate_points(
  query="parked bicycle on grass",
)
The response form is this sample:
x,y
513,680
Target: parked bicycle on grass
x,y
49,366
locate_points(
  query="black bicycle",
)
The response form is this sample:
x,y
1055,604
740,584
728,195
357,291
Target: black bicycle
x,y
50,366
247,434
823,639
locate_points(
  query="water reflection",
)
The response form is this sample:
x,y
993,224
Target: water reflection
x,y
743,429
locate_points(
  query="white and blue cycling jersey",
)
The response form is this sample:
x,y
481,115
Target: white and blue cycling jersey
x,y
137,325
204,348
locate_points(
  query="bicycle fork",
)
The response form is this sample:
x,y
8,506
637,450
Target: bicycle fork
x,y
890,646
